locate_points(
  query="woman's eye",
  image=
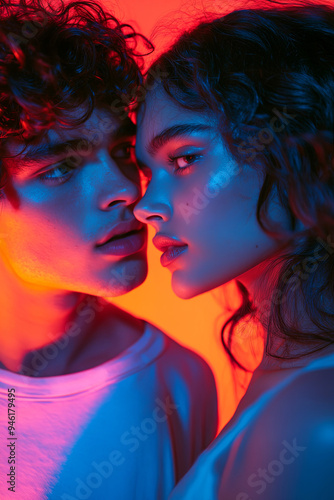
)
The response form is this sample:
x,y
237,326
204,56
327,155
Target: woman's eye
x,y
58,174
183,162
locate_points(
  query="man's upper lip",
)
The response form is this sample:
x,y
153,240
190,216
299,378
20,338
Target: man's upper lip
x,y
119,229
163,242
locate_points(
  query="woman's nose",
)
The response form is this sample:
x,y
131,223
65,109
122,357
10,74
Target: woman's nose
x,y
148,211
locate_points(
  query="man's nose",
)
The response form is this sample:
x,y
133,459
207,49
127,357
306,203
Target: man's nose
x,y
114,187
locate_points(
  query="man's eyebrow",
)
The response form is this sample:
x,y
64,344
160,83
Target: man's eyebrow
x,y
175,131
34,154
41,152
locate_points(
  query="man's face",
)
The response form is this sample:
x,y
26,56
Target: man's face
x,y
60,208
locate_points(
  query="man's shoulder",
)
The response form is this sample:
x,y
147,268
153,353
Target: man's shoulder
x,y
187,373
175,360
182,358
191,386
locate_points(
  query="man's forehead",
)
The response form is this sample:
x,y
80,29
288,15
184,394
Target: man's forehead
x,y
102,123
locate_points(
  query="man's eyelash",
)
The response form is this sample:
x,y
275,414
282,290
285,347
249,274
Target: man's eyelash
x,y
45,176
122,152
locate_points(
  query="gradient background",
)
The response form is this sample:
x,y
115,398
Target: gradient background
x,y
194,323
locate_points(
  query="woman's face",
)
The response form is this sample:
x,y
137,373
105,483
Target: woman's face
x,y
201,203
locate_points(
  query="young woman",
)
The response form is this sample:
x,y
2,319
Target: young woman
x,y
237,142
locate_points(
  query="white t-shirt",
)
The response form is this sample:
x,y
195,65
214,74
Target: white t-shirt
x,y
127,429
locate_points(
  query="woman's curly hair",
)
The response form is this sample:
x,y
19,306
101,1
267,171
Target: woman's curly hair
x,y
268,75
54,59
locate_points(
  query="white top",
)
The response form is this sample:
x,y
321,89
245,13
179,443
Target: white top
x,y
265,451
127,429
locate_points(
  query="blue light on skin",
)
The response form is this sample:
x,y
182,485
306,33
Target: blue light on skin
x,y
51,217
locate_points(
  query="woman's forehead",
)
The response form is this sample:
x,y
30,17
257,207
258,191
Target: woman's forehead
x,y
160,111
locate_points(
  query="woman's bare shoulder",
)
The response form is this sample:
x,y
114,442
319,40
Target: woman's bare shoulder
x,y
307,396
284,450
293,440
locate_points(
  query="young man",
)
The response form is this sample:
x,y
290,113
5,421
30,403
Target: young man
x,y
95,403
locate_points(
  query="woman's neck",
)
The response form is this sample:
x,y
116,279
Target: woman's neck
x,y
285,352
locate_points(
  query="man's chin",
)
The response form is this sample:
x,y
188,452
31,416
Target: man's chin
x,y
128,276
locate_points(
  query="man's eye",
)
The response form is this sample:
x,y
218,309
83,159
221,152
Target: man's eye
x,y
123,152
58,174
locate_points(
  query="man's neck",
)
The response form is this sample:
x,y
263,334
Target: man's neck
x,y
32,321
47,332
32,317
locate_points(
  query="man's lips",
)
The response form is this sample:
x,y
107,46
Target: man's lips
x,y
123,239
171,248
124,244
120,230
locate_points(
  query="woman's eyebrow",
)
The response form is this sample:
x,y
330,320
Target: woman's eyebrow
x,y
175,131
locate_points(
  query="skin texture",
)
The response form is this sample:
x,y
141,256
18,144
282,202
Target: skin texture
x,y
204,199
49,231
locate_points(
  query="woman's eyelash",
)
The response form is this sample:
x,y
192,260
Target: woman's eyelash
x,y
174,161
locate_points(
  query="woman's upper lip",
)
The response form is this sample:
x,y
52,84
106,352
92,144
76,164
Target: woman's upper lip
x,y
119,229
162,242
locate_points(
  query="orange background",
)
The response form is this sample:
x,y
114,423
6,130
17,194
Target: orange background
x,y
194,323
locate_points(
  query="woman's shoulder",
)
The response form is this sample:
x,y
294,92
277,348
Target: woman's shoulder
x,y
279,447
303,406
294,434
305,398
286,445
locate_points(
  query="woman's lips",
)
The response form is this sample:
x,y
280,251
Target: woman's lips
x,y
171,254
171,248
124,244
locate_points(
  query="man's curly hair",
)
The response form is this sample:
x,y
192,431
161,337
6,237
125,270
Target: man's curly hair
x,y
54,59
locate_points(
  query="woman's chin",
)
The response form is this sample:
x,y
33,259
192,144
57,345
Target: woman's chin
x,y
183,289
